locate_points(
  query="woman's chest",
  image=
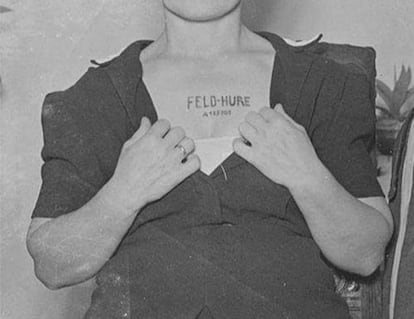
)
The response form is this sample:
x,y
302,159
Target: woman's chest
x,y
209,103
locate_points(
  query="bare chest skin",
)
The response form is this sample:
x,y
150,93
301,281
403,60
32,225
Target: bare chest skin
x,y
209,99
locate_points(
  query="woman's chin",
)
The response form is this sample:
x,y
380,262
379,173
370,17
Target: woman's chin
x,y
201,11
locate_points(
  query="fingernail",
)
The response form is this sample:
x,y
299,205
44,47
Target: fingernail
x,y
280,107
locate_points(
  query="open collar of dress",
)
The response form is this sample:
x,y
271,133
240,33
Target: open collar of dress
x,y
291,70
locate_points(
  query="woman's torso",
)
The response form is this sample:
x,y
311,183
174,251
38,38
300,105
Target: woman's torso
x,y
218,245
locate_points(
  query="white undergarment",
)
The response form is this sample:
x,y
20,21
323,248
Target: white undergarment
x,y
213,151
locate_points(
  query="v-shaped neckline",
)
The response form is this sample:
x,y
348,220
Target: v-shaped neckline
x,y
233,159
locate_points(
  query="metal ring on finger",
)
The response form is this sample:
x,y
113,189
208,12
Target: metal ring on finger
x,y
183,150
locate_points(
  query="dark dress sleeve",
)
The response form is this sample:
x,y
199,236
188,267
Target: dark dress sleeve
x,y
84,128
344,136
70,172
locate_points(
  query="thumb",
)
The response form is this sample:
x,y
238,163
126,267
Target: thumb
x,y
144,126
279,108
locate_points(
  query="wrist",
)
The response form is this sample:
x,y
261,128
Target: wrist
x,y
112,196
314,177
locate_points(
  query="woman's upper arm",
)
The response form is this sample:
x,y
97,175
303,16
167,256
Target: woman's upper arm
x,y
70,172
84,129
344,136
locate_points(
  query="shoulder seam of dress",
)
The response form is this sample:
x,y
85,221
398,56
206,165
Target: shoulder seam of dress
x,y
125,72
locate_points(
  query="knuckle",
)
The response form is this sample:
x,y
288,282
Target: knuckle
x,y
266,112
275,125
278,120
242,126
164,123
180,131
152,140
264,109
251,115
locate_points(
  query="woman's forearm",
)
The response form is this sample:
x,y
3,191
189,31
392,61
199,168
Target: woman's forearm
x,y
350,233
72,248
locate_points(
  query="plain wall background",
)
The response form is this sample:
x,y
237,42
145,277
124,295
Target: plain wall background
x,y
46,45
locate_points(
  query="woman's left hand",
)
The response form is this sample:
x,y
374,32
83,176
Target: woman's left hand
x,y
280,148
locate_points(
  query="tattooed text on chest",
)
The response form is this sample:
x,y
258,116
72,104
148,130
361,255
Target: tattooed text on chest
x,y
217,101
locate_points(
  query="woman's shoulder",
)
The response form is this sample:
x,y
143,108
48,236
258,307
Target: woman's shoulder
x,y
330,58
111,73
105,91
94,111
320,80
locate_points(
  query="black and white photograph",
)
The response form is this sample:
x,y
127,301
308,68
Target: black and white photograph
x,y
207,159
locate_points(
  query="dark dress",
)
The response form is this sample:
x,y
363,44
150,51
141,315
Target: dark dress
x,y
231,244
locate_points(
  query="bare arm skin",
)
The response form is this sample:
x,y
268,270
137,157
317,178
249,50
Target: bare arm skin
x,y
72,248
351,233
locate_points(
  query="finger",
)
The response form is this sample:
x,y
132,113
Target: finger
x,y
191,165
279,108
188,144
267,113
142,130
248,132
174,136
184,148
160,128
255,120
241,149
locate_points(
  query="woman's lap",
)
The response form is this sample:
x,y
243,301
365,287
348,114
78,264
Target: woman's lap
x,y
256,270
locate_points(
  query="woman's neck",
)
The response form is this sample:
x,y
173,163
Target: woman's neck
x,y
203,39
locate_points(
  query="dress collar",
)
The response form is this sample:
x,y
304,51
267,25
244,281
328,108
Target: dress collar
x,y
288,76
291,69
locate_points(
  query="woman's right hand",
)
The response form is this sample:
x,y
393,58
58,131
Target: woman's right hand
x,y
151,164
